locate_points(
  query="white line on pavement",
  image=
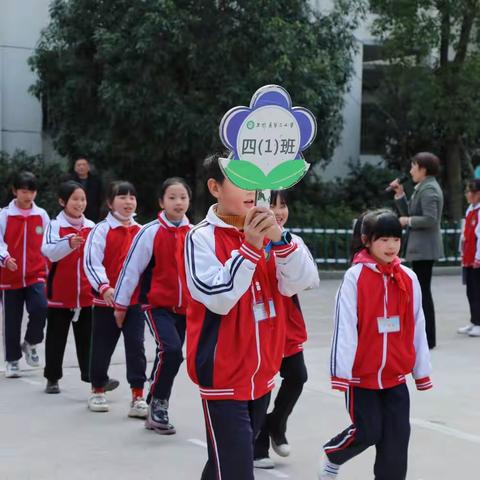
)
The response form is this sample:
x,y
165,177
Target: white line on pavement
x,y
197,442
31,382
452,432
275,473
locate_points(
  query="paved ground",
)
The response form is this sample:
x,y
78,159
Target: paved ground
x,y
55,437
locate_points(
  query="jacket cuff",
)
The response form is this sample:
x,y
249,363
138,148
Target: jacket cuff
x,y
103,288
423,383
341,384
283,251
250,252
4,260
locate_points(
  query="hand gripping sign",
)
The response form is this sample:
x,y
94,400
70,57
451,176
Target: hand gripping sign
x,y
266,141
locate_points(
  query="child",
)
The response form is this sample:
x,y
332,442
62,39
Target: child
x,y
154,260
22,273
68,291
293,369
471,258
105,251
236,318
379,338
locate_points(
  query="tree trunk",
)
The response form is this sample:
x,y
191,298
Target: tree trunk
x,y
453,164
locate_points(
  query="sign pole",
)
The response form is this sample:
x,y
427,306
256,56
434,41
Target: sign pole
x,y
262,198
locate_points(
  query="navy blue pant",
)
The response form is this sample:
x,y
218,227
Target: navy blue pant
x,y
58,325
34,299
168,331
232,427
380,418
105,335
472,280
294,374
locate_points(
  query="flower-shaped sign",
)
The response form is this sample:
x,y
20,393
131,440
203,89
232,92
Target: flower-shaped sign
x,y
266,141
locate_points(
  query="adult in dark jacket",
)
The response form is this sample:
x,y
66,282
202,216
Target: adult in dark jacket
x,y
422,216
92,185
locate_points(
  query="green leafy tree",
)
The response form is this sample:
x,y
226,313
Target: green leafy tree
x,y
430,97
140,87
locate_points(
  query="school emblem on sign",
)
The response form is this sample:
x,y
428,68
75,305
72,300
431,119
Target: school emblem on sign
x,y
266,141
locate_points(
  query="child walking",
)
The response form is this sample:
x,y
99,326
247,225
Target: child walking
x,y
155,260
471,258
379,338
293,369
23,270
236,318
105,251
68,291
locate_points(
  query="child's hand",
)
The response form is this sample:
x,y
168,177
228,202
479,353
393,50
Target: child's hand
x,y
76,241
108,296
258,222
11,264
120,317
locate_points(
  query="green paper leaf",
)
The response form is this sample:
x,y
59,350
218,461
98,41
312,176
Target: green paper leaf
x,y
287,174
246,175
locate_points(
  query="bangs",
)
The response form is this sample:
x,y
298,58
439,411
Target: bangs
x,y
125,188
278,194
387,225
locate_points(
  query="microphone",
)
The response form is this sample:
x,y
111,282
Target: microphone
x,y
401,180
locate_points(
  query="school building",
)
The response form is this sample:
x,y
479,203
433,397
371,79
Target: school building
x,y
21,22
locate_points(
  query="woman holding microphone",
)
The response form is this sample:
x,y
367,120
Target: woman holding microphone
x,y
421,215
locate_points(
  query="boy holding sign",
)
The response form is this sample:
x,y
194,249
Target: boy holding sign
x,y
236,320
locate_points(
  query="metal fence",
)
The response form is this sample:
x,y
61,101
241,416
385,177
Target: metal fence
x,y
331,246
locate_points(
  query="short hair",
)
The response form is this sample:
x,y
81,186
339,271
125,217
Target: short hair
x,y
174,181
428,161
282,194
474,185
81,158
212,169
120,187
25,180
67,188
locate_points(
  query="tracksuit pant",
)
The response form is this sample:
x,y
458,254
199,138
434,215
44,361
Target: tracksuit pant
x,y
294,373
232,426
34,299
472,280
105,335
380,418
58,325
423,269
168,331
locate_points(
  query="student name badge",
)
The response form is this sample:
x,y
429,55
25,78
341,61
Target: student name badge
x,y
260,312
388,324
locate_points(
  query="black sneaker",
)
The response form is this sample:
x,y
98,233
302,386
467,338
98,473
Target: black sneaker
x,y
278,440
157,418
52,387
111,384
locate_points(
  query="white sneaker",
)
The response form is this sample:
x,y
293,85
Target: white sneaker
x,y
282,450
265,463
328,471
466,329
12,369
98,402
31,354
475,331
138,408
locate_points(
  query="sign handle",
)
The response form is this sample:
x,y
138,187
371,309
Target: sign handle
x,y
262,198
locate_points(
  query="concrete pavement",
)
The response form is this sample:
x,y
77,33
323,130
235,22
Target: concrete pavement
x,y
55,437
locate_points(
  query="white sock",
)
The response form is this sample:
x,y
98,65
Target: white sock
x,y
331,468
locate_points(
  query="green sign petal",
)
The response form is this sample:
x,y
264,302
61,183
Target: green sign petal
x,y
245,175
287,174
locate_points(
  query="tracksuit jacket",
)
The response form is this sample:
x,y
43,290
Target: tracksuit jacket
x,y
236,318
471,237
67,284
363,357
21,238
105,251
155,261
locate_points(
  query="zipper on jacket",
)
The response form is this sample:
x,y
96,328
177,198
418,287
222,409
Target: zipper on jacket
x,y
385,335
259,356
180,293
24,266
78,282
